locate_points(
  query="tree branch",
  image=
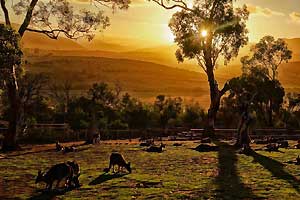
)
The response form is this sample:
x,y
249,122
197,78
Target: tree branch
x,y
5,11
179,4
225,89
54,34
28,17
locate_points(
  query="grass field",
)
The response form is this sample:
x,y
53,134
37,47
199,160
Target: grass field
x,y
177,173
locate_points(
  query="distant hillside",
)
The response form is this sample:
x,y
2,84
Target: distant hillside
x,y
294,45
144,79
39,41
141,79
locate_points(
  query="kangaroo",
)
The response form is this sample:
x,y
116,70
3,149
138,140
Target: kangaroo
x,y
272,147
59,147
283,144
76,173
156,149
117,159
57,173
298,160
69,149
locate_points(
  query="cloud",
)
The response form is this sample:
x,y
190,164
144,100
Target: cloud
x,y
267,12
295,16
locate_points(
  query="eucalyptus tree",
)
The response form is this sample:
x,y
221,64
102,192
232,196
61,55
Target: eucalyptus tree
x,y
268,54
207,31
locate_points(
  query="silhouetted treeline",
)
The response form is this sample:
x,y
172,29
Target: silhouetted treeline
x,y
112,109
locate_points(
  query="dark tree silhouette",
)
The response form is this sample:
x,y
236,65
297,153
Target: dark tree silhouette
x,y
51,18
252,90
168,108
209,30
268,54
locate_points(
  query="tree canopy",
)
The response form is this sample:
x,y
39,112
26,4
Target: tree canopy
x,y
268,54
208,30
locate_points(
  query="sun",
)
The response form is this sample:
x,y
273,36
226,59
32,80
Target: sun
x,y
204,33
168,35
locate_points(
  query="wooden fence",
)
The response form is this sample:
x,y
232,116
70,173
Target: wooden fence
x,y
48,133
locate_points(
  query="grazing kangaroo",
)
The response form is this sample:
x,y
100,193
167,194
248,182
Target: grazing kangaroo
x,y
283,144
57,173
156,149
76,173
272,147
298,160
69,149
59,147
117,159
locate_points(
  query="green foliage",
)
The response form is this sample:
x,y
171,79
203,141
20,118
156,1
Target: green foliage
x,y
100,93
225,28
10,51
168,108
59,17
193,116
118,125
254,86
135,113
268,54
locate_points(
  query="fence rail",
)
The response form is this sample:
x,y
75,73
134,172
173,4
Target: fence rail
x,y
47,133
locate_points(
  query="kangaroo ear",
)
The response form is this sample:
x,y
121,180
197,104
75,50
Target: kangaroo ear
x,y
128,163
39,172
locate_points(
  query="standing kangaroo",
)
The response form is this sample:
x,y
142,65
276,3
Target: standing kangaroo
x,y
59,147
74,181
57,173
117,159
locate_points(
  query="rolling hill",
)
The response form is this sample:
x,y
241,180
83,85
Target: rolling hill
x,y
38,41
142,79
144,73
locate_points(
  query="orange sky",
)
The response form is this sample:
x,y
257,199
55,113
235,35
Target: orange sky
x,y
148,22
145,20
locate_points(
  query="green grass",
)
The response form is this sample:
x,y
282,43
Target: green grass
x,y
177,173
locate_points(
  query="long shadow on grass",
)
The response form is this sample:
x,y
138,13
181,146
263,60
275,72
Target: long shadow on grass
x,y
48,195
105,177
277,169
228,180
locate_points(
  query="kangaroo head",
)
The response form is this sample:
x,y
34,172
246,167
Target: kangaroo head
x,y
40,177
128,167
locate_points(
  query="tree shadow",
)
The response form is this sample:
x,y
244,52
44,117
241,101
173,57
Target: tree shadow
x,y
228,181
277,169
48,195
105,177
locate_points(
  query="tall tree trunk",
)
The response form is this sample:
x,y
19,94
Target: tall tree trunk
x,y
215,97
10,137
270,113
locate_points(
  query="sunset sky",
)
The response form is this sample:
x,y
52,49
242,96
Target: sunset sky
x,y
147,21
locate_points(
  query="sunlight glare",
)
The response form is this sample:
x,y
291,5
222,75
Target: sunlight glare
x,y
204,33
168,35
